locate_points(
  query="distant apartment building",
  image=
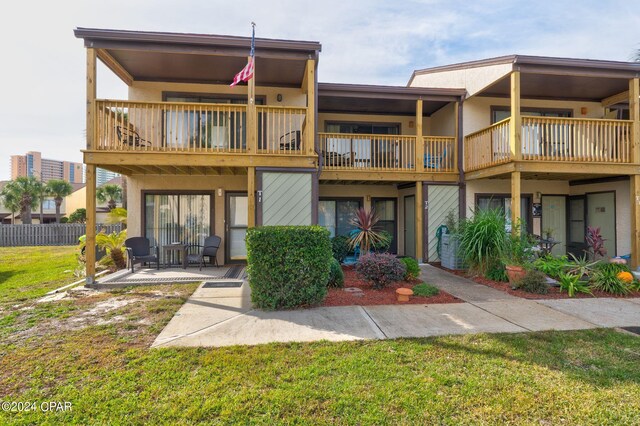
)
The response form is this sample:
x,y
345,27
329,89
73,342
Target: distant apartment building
x,y
103,176
32,164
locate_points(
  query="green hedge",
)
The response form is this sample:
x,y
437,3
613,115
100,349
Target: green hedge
x,y
288,265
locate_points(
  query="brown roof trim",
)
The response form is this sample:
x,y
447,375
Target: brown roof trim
x,y
630,69
389,92
91,35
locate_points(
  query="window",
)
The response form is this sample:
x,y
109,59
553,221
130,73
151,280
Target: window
x,y
214,129
335,214
185,218
503,202
362,148
48,204
499,113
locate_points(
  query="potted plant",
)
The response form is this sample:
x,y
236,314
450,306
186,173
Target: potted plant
x,y
517,256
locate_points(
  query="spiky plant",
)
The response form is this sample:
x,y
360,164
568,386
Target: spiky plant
x,y
595,242
367,233
117,215
113,244
58,189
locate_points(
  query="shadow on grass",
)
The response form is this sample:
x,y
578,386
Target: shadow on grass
x,y
599,356
5,275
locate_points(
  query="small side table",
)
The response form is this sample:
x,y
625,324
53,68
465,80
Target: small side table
x,y
181,249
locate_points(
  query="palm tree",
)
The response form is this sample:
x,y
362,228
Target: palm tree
x,y
117,215
27,191
11,201
110,194
58,189
113,244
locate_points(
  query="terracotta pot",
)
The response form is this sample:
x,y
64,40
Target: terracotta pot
x,y
515,273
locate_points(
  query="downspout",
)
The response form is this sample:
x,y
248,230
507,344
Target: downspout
x,y
462,194
316,147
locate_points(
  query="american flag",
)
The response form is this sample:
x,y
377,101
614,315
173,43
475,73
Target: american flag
x,y
247,72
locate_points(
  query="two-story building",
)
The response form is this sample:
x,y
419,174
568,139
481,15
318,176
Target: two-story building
x,y
205,158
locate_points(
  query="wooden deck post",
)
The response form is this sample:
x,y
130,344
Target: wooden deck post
x,y
90,246
90,242
515,125
252,128
634,180
251,197
419,221
419,138
515,200
310,89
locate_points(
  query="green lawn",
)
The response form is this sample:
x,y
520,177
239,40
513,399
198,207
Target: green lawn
x,y
27,272
92,349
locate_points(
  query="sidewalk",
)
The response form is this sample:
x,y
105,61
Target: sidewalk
x,y
224,316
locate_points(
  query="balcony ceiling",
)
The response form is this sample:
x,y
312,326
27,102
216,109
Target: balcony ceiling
x,y
393,100
564,87
200,58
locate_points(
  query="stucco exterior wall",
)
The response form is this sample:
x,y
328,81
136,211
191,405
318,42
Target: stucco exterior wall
x,y
477,110
443,121
472,79
152,92
503,186
623,210
138,183
407,123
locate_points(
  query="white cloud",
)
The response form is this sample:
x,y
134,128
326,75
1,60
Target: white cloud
x,y
380,42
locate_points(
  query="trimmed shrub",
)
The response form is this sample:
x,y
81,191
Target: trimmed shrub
x,y
424,289
380,269
384,244
288,266
340,247
336,276
412,268
534,282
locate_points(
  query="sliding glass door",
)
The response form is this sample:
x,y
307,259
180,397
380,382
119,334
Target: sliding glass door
x,y
177,218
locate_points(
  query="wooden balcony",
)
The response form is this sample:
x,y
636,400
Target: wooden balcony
x,y
347,156
198,134
550,144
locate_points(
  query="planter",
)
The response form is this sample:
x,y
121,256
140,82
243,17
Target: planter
x,y
515,273
450,253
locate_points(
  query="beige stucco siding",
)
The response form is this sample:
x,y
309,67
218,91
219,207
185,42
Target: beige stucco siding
x,y
623,211
477,110
443,121
472,79
139,183
152,92
407,123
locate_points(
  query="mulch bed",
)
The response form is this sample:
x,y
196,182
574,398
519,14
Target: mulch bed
x,y
554,292
386,296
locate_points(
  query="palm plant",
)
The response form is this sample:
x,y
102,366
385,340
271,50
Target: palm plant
x,y
11,201
27,191
112,244
117,215
58,189
109,194
366,234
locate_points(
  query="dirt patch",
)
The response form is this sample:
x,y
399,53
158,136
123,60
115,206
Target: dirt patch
x,y
370,296
554,292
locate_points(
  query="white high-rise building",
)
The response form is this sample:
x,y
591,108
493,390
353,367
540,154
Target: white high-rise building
x,y
103,176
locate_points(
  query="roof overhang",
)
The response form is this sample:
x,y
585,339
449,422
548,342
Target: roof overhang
x,y
392,100
198,58
553,78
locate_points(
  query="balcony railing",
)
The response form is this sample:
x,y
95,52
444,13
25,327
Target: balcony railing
x,y
196,127
551,139
347,151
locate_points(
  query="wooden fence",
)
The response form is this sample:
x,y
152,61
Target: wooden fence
x,y
62,234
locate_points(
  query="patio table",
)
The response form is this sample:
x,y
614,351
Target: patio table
x,y
179,248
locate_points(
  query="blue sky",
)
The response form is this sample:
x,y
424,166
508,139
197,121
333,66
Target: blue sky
x,y
376,42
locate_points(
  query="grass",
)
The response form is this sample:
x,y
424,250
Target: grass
x,y
29,272
93,350
424,289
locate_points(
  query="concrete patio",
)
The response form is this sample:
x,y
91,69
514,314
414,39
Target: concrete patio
x,y
224,316
152,276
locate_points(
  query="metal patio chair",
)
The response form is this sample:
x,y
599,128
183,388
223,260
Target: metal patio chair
x,y
208,249
140,250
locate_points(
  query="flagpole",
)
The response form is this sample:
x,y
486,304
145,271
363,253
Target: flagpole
x,y
251,95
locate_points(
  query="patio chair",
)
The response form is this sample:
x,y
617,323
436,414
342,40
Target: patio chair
x,y
208,249
435,161
128,136
139,250
290,140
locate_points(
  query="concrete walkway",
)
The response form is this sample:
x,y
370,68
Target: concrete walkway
x,y
224,316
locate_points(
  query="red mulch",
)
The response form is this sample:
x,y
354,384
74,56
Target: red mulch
x,y
386,296
554,292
